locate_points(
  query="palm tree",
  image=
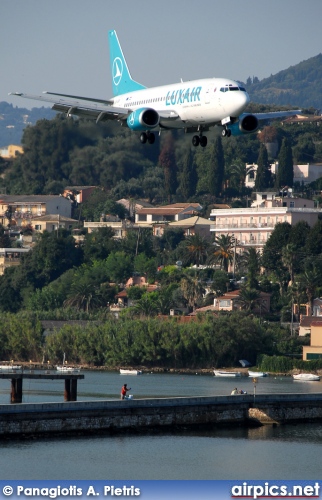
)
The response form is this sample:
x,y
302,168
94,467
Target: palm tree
x,y
223,251
147,305
249,298
84,296
310,280
192,290
249,264
197,248
289,258
239,173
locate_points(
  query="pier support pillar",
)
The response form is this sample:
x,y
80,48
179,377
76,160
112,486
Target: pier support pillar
x,y
16,390
73,391
67,390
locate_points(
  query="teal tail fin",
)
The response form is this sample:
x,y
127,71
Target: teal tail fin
x,y
121,78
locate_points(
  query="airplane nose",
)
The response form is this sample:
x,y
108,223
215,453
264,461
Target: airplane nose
x,y
241,100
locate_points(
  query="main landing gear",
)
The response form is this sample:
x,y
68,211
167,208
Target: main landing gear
x,y
147,137
199,139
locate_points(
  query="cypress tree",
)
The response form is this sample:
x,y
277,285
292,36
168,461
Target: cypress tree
x,y
216,167
263,175
285,173
189,178
167,161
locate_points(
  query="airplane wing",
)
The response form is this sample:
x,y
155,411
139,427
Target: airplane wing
x,y
95,109
274,114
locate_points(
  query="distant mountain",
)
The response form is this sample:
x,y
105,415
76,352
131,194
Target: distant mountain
x,y
299,85
13,120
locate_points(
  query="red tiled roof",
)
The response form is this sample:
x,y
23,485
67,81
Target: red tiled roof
x,y
307,321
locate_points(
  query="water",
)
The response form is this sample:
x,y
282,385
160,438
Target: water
x,y
287,452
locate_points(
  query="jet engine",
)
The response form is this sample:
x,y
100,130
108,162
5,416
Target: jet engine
x,y
143,119
245,125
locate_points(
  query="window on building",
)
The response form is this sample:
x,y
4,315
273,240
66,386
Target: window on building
x,y
225,303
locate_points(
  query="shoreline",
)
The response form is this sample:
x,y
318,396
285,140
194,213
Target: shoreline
x,y
180,371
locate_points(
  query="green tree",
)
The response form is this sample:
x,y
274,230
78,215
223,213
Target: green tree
x,y
167,161
285,173
192,290
216,167
119,267
263,175
272,254
197,249
84,296
188,178
223,251
249,263
249,298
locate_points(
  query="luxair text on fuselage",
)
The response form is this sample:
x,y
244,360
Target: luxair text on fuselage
x,y
183,96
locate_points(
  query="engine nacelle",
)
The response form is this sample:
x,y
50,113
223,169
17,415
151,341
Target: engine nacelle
x,y
245,125
143,119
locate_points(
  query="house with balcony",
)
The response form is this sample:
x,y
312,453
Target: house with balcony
x,y
253,226
52,223
119,226
19,210
191,226
147,217
11,257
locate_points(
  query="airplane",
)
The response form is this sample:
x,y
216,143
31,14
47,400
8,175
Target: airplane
x,y
194,106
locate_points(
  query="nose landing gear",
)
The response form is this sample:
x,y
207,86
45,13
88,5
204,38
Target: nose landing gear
x,y
226,132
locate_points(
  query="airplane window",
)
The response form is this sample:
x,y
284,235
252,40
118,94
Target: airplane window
x,y
242,88
233,88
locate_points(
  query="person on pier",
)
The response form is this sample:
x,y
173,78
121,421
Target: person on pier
x,y
124,390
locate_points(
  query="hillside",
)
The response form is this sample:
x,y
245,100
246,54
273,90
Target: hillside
x,y
13,120
299,85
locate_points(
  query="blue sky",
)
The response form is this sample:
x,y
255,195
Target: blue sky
x,y
61,45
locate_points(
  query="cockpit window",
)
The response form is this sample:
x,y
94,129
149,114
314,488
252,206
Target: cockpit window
x,y
231,87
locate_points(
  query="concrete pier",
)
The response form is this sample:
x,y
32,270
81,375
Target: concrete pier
x,y
166,413
17,377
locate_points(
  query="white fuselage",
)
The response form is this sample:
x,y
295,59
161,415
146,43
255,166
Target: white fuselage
x,y
200,102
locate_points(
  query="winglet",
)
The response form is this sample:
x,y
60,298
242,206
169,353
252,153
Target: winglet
x,y
122,81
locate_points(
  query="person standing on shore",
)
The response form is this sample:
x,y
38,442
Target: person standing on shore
x,y
124,390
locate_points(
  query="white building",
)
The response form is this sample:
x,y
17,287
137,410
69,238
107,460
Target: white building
x,y
253,226
305,173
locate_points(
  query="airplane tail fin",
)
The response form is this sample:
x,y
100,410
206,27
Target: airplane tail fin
x,y
122,81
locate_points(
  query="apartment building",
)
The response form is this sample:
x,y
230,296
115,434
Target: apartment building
x,y
146,217
253,226
21,209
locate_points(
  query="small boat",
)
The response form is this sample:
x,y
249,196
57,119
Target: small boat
x,y
257,374
221,373
67,369
306,377
9,368
130,372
